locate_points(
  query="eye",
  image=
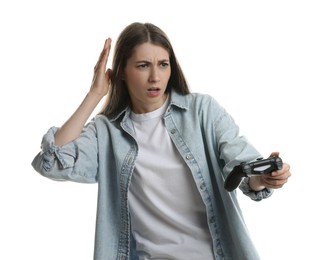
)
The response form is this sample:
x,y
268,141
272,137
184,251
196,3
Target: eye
x,y
142,65
164,64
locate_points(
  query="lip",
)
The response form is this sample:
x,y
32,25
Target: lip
x,y
153,91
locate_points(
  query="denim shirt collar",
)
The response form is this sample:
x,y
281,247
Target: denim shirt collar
x,y
176,99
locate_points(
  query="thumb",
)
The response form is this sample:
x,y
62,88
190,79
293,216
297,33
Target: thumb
x,y
274,154
108,74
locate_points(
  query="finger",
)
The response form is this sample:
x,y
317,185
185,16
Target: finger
x,y
274,183
104,53
103,58
277,181
106,49
283,176
108,73
285,170
274,154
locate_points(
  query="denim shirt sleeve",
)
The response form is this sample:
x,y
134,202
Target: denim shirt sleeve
x,y
74,161
234,148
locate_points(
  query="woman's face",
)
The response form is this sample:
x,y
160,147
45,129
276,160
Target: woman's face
x,y
146,75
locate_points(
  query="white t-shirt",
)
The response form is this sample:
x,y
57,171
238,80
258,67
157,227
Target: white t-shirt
x,y
168,216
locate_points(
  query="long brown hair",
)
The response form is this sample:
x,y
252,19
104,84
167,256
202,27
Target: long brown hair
x,y
132,36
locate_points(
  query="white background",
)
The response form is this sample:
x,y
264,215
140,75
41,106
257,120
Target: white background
x,y
262,60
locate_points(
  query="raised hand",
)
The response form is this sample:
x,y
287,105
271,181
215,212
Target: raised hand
x,y
101,76
72,128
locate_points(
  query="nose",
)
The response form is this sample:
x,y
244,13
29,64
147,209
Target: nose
x,y
154,75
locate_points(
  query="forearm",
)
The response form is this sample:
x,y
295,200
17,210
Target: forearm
x,y
72,128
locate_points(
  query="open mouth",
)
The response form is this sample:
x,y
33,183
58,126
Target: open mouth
x,y
153,89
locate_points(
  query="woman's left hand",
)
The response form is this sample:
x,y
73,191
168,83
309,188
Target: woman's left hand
x,y
274,180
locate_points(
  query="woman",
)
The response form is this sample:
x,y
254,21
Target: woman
x,y
160,155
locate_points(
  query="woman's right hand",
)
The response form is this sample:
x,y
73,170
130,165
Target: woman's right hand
x,y
72,128
101,76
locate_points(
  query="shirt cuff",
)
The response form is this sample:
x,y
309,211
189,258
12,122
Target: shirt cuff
x,y
254,195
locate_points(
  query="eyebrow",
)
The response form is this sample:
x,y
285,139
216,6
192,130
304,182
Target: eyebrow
x,y
146,61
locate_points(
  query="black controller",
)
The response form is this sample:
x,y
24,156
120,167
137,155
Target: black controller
x,y
258,167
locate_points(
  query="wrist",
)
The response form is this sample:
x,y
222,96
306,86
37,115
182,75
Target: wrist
x,y
255,183
95,95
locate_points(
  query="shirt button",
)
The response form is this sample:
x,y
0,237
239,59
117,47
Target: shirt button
x,y
188,156
220,252
212,220
202,186
173,131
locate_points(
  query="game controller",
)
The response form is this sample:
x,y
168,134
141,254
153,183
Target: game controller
x,y
258,167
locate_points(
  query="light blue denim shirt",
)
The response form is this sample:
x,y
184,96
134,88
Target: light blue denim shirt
x,y
209,142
